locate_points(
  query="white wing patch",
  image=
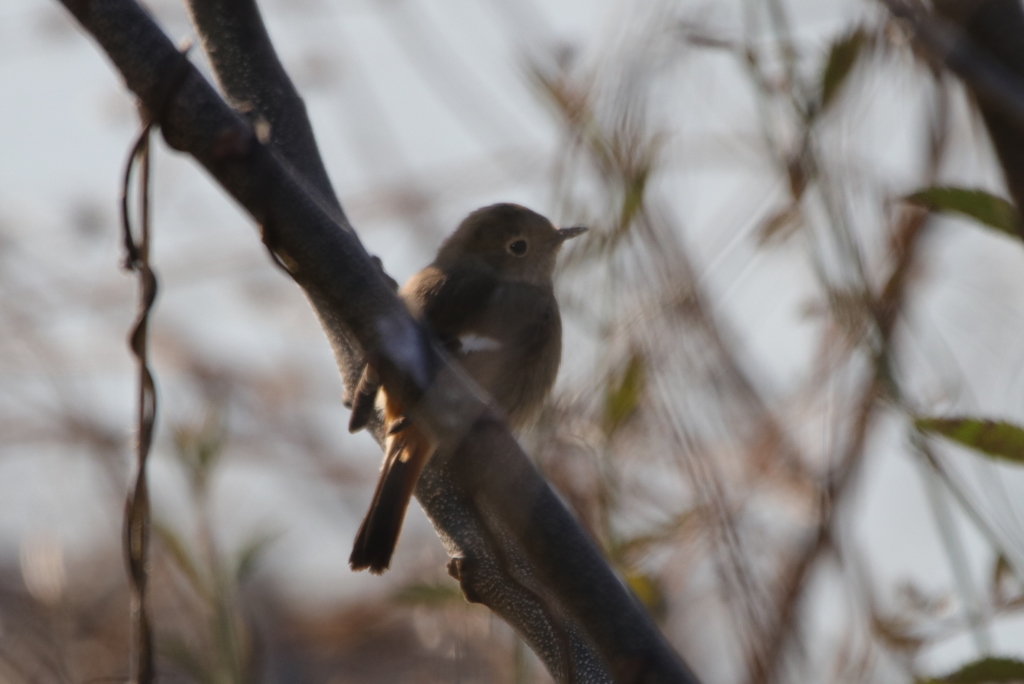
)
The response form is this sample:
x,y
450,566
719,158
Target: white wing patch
x,y
477,343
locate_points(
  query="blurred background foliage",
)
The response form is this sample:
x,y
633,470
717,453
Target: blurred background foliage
x,y
791,393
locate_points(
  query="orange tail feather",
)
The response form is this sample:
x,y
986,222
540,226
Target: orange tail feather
x,y
407,453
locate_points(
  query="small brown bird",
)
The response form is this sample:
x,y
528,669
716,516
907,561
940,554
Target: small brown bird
x,y
488,296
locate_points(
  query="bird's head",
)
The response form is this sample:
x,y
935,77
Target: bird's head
x,y
513,241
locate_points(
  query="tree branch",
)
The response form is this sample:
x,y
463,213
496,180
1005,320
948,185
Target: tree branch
x,y
886,307
516,548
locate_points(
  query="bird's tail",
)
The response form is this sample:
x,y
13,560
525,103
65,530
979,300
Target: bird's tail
x,y
407,453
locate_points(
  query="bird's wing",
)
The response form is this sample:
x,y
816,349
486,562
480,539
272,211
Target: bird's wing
x,y
451,303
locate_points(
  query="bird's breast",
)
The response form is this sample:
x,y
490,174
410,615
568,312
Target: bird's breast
x,y
514,350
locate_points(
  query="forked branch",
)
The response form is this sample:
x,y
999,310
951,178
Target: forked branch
x,y
514,545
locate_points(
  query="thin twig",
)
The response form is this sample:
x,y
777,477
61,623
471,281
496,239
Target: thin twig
x,y
137,513
137,519
886,305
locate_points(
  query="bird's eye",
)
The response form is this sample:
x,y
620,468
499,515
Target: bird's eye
x,y
518,248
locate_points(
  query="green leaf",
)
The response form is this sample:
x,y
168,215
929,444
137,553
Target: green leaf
x,y
984,207
842,57
648,590
198,447
623,393
994,438
633,198
987,670
431,594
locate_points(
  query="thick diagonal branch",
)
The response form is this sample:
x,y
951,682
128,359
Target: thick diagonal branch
x,y
482,493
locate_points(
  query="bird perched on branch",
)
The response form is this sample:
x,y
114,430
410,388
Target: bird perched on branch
x,y
488,296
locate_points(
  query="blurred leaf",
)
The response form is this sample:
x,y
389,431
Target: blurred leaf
x,y
249,555
985,208
633,199
198,447
987,670
896,632
1001,581
182,558
648,590
661,534
229,647
998,439
623,393
851,312
842,57
917,600
781,224
430,594
797,173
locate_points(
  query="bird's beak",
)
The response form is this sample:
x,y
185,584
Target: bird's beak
x,y
571,232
